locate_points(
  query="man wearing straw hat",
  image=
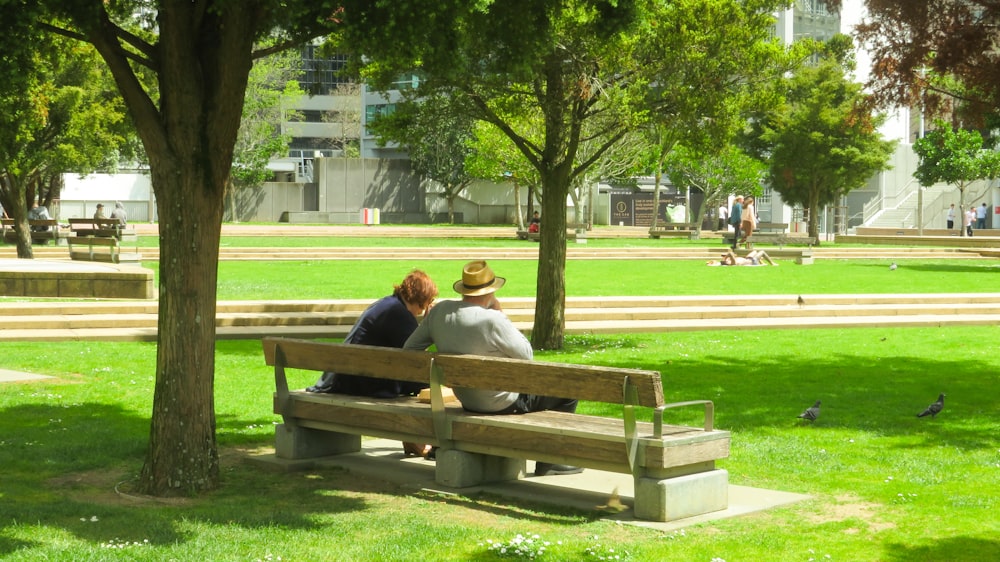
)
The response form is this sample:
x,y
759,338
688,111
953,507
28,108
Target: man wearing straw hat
x,y
476,325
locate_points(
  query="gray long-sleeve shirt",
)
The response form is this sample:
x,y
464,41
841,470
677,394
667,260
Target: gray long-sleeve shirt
x,y
465,328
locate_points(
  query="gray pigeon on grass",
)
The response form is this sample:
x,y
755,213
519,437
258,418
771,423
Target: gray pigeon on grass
x,y
934,408
811,413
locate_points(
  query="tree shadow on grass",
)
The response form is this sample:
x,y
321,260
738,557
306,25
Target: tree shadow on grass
x,y
950,267
954,549
880,394
71,466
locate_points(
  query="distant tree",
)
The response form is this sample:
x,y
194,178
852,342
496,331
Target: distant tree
x,y
955,156
915,46
822,142
494,157
436,132
347,116
271,80
716,174
587,67
67,118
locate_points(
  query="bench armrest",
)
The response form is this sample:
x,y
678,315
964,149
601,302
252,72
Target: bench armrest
x,y
658,415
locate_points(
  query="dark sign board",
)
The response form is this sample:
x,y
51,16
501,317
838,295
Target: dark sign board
x,y
631,208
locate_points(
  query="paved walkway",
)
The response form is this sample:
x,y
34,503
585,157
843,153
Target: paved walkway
x,y
589,490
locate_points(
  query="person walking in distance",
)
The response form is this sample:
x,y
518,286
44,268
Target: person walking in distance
x,y
735,218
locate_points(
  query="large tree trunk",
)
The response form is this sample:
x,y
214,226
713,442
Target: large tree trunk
x,y
16,195
814,218
550,297
202,61
182,454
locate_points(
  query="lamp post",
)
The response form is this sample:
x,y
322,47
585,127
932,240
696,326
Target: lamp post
x,y
920,188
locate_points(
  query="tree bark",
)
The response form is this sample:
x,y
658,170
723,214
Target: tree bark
x,y
202,62
16,194
183,455
550,296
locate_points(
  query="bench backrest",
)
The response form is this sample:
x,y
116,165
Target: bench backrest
x,y
349,359
96,223
33,222
583,382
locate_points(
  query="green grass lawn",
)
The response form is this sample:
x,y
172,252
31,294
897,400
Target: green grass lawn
x,y
371,279
886,485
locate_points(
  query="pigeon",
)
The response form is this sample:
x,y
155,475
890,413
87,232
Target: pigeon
x,y
892,266
614,503
934,408
811,413
802,301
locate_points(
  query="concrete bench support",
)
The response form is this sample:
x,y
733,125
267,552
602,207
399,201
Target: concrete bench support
x,y
667,499
461,469
297,442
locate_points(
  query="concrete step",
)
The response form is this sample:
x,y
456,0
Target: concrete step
x,y
961,249
249,319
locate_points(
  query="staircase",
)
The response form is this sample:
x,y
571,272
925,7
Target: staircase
x,y
137,321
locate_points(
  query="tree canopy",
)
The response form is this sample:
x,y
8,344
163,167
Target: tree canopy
x,y
589,71
915,44
199,54
822,142
437,132
67,117
954,156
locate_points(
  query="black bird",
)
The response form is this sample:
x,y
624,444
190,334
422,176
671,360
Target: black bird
x,y
802,301
811,413
934,408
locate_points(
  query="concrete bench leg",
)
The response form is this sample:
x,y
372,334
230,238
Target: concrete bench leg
x,y
294,442
668,499
461,469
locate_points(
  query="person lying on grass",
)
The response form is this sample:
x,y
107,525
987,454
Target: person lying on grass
x,y
755,257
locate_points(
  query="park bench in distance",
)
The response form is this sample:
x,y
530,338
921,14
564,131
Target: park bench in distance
x,y
573,231
672,229
673,466
100,240
50,232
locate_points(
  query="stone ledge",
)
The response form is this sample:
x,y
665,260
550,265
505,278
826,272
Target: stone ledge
x,y
65,279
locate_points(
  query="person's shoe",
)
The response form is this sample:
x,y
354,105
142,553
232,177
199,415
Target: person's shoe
x,y
545,469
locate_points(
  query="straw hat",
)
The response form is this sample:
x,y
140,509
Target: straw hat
x,y
478,279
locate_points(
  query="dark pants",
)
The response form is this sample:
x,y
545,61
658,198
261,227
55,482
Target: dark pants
x,y
951,225
736,234
980,223
533,403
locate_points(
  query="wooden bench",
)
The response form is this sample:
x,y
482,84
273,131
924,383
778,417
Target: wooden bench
x,y
108,249
574,230
106,228
673,466
781,240
102,239
672,229
42,230
780,227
